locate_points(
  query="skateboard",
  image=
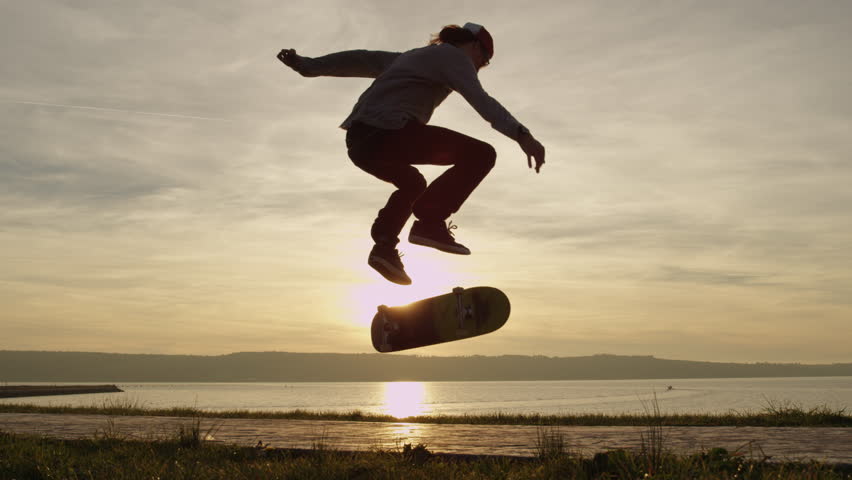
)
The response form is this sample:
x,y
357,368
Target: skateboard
x,y
464,313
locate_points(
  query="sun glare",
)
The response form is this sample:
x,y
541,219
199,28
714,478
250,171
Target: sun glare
x,y
432,273
404,399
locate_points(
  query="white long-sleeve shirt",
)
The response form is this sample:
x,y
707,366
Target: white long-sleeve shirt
x,y
411,85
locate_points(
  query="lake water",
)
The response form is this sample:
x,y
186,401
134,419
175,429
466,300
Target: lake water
x,y
453,398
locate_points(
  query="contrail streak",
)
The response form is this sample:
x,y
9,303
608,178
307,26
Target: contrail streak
x,y
116,110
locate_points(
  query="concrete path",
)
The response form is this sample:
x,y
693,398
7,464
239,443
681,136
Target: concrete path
x,y
833,445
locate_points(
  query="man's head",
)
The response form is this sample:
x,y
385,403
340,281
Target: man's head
x,y
473,38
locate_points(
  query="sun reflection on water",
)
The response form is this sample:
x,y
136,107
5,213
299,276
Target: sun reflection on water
x,y
404,399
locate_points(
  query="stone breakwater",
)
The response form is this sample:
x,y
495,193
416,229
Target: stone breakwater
x,y
11,391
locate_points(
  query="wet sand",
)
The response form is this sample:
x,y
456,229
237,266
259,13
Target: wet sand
x,y
12,391
828,444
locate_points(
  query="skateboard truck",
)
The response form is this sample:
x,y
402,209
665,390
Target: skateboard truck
x,y
463,312
388,327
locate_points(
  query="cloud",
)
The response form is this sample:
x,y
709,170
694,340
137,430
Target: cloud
x,y
114,110
681,275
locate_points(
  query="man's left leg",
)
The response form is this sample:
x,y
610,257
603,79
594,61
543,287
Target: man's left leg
x,y
470,160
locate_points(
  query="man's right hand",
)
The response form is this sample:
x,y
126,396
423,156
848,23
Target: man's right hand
x,y
534,150
289,57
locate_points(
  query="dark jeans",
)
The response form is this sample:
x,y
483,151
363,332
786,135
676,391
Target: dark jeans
x,y
389,156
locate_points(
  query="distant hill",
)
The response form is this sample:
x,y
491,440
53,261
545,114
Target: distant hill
x,y
24,366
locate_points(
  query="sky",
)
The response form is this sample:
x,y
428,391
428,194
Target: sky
x,y
168,186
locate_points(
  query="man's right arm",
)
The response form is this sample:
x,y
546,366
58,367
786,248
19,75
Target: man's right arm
x,y
351,63
461,76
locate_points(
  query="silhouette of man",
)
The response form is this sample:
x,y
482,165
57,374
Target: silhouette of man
x,y
388,133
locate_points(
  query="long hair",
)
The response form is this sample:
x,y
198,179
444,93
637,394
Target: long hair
x,y
454,35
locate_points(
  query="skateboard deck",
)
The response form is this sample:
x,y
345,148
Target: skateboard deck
x,y
464,313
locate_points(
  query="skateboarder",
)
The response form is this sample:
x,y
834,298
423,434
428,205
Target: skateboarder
x,y
388,133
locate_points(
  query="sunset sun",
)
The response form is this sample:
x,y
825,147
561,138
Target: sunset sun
x,y
433,273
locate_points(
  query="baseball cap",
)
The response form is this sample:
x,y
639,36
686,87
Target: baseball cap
x,y
483,36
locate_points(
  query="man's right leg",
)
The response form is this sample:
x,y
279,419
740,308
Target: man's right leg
x,y
387,226
410,184
373,158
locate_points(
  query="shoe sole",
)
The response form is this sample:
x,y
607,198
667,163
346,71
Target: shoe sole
x,y
428,242
387,270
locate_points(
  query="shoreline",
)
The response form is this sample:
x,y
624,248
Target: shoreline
x,y
16,391
785,416
768,444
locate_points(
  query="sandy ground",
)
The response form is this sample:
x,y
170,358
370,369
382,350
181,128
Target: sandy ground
x,y
833,445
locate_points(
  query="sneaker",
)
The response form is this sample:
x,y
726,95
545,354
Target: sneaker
x,y
385,260
436,235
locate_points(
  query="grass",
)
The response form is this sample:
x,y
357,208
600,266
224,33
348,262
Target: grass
x,y
29,457
773,414
652,440
186,453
